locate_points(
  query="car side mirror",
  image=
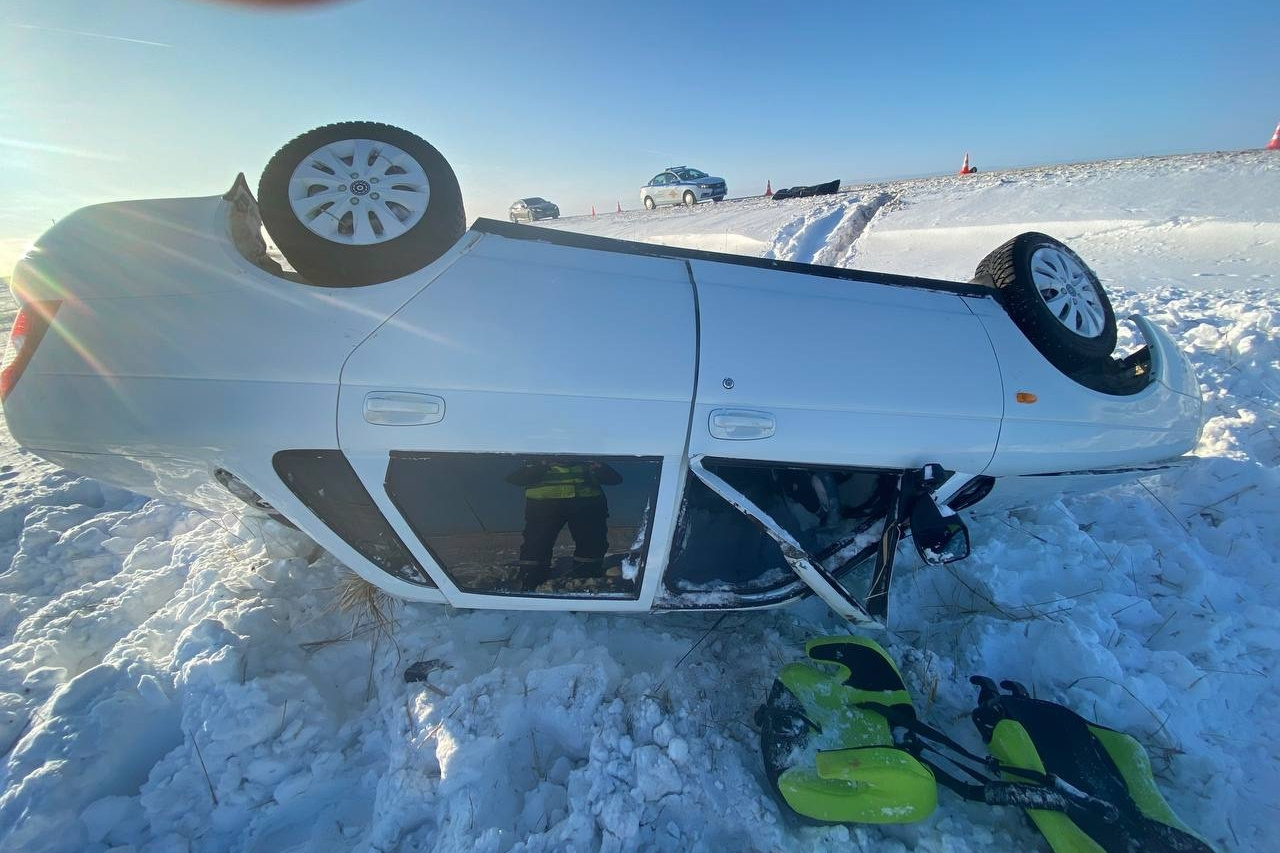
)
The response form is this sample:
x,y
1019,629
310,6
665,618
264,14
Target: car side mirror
x,y
938,533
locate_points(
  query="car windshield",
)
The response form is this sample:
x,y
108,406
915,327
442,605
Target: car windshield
x,y
535,200
689,174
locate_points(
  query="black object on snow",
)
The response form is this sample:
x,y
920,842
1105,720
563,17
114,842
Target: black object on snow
x,y
804,192
420,670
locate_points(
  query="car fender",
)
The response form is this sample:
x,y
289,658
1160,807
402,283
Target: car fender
x,y
1054,424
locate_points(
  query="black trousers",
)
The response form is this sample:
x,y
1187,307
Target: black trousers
x,y
586,517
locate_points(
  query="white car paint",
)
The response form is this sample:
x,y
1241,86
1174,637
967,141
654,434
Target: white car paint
x,y
172,356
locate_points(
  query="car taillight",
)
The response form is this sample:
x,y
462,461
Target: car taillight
x,y
28,329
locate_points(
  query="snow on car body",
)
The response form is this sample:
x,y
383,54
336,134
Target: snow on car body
x,y
763,416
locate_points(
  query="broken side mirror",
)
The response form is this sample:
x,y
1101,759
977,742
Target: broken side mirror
x,y
938,533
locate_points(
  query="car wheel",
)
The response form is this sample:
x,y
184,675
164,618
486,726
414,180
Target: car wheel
x,y
1054,298
359,203
689,198
648,203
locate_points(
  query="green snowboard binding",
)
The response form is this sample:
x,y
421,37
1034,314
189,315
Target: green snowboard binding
x,y
826,756
1030,737
842,744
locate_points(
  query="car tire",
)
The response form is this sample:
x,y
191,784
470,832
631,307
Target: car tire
x,y
1054,298
382,240
648,203
689,198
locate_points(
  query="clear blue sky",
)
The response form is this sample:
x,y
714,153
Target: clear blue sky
x,y
582,102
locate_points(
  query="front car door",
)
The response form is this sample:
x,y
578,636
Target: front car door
x,y
522,423
817,391
671,188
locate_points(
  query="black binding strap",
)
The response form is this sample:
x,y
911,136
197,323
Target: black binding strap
x,y
1040,791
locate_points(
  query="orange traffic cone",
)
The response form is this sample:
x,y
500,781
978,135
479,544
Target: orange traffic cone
x,y
593,211
768,189
1274,144
619,207
964,167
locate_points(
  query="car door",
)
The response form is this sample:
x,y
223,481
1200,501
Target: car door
x,y
655,188
671,188
830,385
522,423
811,365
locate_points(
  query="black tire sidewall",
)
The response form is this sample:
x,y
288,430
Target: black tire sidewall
x,y
1009,270
331,264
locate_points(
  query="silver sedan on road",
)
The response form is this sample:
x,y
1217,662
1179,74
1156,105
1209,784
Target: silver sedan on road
x,y
682,185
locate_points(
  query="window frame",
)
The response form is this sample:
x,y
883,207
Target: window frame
x,y
808,579
556,598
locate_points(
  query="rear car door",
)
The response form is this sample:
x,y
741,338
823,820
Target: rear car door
x,y
522,422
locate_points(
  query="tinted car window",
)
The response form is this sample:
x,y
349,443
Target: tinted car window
x,y
690,174
530,524
325,482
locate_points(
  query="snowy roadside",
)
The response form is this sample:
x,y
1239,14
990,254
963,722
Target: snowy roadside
x,y
174,682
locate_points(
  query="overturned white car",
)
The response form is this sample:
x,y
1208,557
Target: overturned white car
x,y
516,417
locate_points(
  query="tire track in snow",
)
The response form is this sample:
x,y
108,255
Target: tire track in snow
x,y
827,234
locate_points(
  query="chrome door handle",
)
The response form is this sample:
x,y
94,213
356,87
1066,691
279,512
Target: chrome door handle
x,y
401,408
741,424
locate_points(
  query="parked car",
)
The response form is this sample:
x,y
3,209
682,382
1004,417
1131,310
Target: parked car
x,y
533,209
682,185
434,405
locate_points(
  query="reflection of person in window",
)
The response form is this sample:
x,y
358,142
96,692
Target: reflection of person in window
x,y
556,493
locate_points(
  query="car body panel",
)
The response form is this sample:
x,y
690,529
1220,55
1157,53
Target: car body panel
x,y
1070,427
856,373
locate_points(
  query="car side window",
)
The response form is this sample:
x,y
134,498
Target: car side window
x,y
525,524
833,514
326,484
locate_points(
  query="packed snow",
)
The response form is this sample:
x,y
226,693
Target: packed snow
x,y
174,681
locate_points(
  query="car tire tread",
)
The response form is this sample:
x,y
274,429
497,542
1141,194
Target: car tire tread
x,y
1007,268
330,264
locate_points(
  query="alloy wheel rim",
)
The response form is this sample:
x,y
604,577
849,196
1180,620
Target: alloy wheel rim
x,y
1068,292
359,192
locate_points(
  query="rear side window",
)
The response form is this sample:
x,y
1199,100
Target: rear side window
x,y
325,482
526,524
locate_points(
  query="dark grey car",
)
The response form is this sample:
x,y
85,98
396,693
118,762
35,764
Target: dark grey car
x,y
533,209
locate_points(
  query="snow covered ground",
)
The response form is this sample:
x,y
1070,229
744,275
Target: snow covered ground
x,y
171,681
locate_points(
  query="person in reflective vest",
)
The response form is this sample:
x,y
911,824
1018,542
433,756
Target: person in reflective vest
x,y
556,493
